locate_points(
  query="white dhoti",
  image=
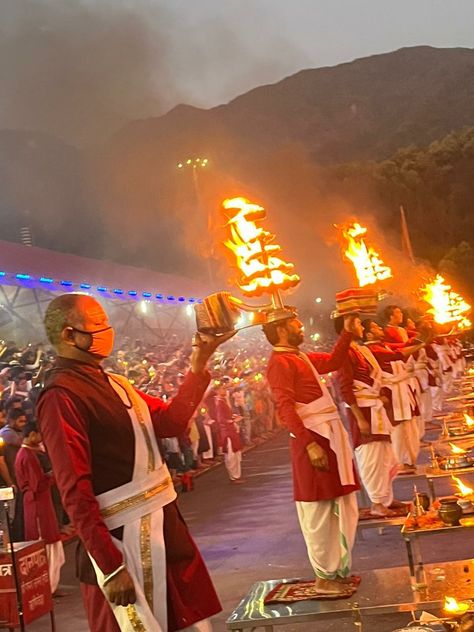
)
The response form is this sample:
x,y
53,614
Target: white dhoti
x,y
329,528
377,468
56,559
406,441
233,461
437,398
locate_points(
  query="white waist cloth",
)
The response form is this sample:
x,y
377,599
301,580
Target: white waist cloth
x,y
141,496
369,397
321,416
402,397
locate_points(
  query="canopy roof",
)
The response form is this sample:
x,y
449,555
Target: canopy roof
x,y
38,268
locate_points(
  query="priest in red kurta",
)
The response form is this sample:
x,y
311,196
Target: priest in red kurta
x,y
360,386
402,409
137,563
324,477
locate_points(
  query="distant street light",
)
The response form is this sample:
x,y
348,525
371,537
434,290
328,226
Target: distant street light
x,y
318,299
196,164
193,162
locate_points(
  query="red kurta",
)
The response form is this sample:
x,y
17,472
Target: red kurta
x,y
291,381
90,440
356,367
39,515
398,336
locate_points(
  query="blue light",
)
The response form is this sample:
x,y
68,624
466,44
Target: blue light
x,y
181,299
23,277
132,293
85,286
67,283
199,300
3,273
159,297
118,291
170,298
191,300
101,289
146,294
46,280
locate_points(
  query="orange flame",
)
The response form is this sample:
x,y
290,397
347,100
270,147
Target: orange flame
x,y
456,450
455,607
367,263
262,271
468,420
446,305
464,490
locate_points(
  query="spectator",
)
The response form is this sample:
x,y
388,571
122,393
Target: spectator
x,y
38,511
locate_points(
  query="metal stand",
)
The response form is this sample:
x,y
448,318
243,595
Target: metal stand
x,y
19,596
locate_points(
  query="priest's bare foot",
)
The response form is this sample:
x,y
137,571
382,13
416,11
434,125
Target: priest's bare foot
x,y
380,510
345,581
331,587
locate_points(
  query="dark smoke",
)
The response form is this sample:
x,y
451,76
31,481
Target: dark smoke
x,y
80,70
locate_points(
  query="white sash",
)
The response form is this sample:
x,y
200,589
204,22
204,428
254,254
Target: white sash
x,y
398,383
321,416
138,506
369,396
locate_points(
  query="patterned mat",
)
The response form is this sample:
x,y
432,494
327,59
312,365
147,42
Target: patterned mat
x,y
397,512
300,591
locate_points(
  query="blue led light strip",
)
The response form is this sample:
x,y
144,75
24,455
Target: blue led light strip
x,y
21,276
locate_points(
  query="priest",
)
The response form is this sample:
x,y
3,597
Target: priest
x,y
137,563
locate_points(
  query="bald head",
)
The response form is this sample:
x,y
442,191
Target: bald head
x,y
73,310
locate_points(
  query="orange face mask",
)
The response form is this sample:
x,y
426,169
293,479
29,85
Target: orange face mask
x,y
102,341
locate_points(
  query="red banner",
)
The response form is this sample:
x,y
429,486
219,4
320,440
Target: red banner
x,y
32,568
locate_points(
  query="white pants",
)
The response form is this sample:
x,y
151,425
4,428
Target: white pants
x,y
426,409
55,555
447,382
406,441
377,468
233,462
329,528
437,398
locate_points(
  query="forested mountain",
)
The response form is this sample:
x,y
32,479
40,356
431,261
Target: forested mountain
x,y
357,139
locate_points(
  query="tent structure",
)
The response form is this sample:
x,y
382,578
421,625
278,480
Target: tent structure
x,y
141,303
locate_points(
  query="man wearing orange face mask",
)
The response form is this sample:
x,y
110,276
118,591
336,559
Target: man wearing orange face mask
x,y
138,566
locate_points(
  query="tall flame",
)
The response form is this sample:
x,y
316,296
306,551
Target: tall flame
x,y
262,271
455,449
446,305
464,490
469,421
367,263
455,607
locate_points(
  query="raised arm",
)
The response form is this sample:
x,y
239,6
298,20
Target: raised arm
x,y
171,420
326,362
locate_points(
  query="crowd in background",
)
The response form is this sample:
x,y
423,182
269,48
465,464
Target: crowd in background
x,y
237,378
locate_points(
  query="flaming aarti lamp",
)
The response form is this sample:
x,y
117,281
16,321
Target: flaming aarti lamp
x,y
369,269
262,271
